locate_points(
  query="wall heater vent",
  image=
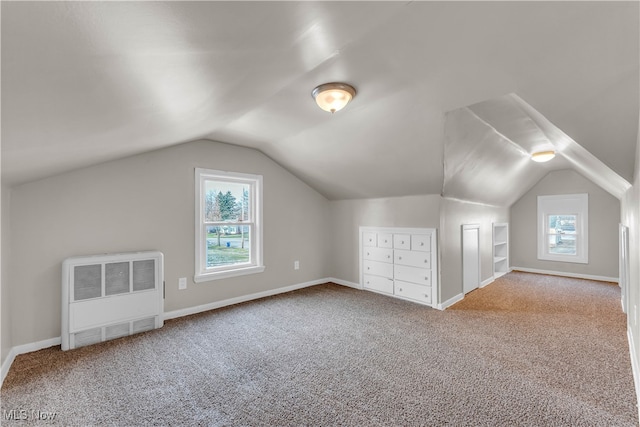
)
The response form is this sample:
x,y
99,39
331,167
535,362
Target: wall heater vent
x,y
111,296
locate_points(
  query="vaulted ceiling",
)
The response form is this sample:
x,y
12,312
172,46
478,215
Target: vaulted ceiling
x,y
87,82
488,147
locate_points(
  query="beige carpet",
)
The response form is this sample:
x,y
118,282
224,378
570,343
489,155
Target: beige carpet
x,y
527,350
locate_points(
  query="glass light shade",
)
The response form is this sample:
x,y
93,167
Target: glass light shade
x,y
543,156
333,97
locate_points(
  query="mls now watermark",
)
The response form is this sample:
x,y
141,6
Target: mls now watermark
x,y
28,415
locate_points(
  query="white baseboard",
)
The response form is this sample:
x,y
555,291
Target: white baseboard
x,y
25,348
634,365
489,281
450,302
344,283
237,300
460,297
565,274
7,364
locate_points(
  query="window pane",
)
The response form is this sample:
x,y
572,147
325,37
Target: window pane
x,y
562,234
226,201
228,245
563,228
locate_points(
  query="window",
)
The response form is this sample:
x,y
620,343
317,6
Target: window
x,y
228,224
563,228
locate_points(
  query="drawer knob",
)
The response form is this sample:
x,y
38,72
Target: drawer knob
x,y
399,257
421,243
402,242
426,278
388,256
368,254
400,289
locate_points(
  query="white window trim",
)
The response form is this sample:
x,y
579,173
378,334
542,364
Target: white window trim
x,y
257,266
564,204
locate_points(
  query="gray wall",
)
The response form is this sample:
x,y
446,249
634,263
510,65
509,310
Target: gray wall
x,y
5,309
431,211
455,213
348,215
604,216
147,202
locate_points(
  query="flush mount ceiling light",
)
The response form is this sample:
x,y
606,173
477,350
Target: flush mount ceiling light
x,y
543,156
333,97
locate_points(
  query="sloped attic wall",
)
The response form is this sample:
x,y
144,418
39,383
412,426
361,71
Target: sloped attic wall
x,y
488,147
481,165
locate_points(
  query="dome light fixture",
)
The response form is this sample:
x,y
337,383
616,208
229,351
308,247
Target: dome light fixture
x,y
543,156
333,97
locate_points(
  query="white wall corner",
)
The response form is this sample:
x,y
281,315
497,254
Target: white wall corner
x,y
25,348
450,302
8,361
345,283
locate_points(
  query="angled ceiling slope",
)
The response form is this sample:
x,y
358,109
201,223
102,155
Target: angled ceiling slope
x,y
488,149
88,82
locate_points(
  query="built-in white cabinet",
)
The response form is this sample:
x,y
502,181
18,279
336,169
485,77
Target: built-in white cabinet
x,y
400,262
500,249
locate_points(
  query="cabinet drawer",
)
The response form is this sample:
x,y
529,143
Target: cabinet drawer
x,y
369,239
378,254
401,241
412,291
385,240
413,259
377,268
412,274
377,283
421,242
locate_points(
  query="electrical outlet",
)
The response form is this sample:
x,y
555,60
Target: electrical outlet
x,y
182,283
296,265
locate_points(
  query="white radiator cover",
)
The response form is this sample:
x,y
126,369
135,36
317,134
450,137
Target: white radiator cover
x,y
110,296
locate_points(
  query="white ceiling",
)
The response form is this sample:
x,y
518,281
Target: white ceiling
x,y
87,82
488,147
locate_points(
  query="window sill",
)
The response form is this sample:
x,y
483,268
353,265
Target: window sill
x,y
207,277
560,258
